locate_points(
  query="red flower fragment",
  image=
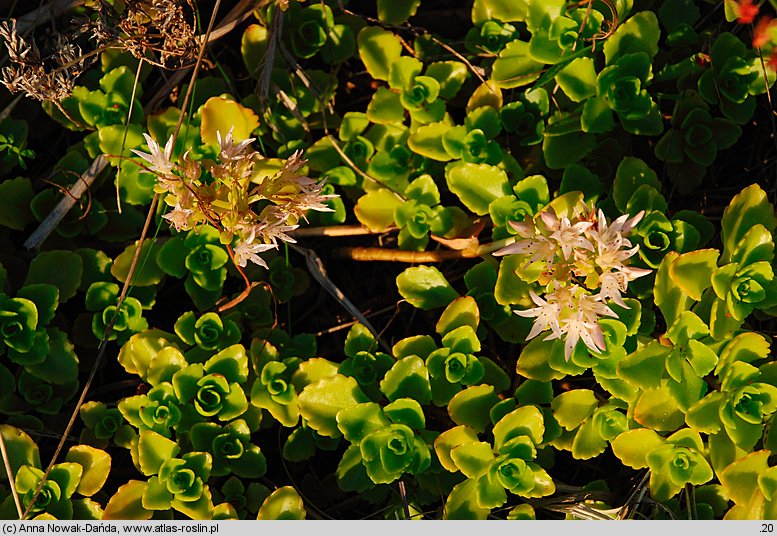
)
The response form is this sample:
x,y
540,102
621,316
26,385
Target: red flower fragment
x,y
746,11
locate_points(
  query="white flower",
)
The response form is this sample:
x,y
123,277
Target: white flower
x,y
247,250
274,227
228,150
568,236
535,244
311,198
179,217
159,161
545,316
590,332
581,321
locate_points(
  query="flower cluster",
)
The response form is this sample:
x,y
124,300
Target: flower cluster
x,y
583,265
252,212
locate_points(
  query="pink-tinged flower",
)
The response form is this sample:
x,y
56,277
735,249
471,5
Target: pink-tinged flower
x,y
545,316
159,160
589,332
229,151
615,232
273,227
581,321
247,250
311,198
535,244
179,217
570,237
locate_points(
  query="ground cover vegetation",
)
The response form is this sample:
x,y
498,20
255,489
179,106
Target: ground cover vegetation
x,y
401,259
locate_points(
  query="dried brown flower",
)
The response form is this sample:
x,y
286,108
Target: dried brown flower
x,y
159,31
50,78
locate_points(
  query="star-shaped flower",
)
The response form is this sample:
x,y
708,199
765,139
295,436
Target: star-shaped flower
x,y
159,160
247,250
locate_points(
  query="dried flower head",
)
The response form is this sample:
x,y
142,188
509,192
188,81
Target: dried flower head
x,y
159,31
38,77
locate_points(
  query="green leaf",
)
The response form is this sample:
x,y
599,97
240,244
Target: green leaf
x,y
427,140
376,209
351,474
253,46
60,268
450,74
408,378
578,79
631,174
511,289
385,107
588,441
282,504
357,422
420,345
45,297
146,273
534,361
472,459
562,149
425,287
231,363
645,367
524,421
463,339
573,407
127,503
486,119
703,416
768,483
633,446
406,411
320,402
171,257
96,464
450,439
514,67
477,185
658,409
502,10
112,138
378,49
423,190
15,198
460,312
668,296
640,33
747,209
740,479
396,12
471,406
462,502
352,125
359,339
60,365
692,271
21,449
153,450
